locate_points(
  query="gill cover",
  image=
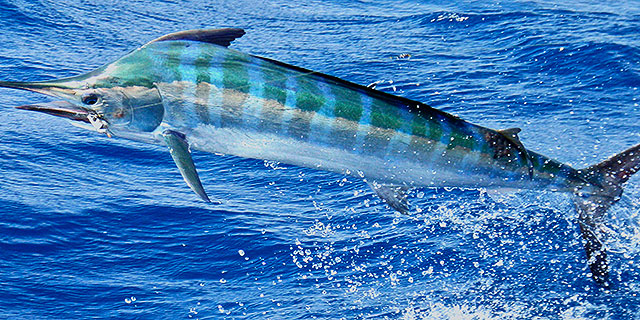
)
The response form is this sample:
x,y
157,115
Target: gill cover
x,y
133,108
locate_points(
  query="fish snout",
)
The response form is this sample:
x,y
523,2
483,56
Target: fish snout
x,y
62,109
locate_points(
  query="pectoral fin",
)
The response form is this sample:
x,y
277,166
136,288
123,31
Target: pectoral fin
x,y
179,149
394,196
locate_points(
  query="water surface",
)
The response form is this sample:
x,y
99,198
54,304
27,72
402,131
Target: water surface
x,y
92,227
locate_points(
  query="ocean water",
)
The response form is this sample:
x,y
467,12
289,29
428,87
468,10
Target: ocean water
x,y
92,227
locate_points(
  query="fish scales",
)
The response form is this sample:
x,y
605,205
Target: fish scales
x,y
236,86
347,111
172,68
274,95
177,71
321,123
215,83
308,101
255,101
188,82
202,65
363,124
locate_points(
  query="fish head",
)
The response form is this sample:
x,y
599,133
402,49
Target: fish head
x,y
104,105
123,110
121,98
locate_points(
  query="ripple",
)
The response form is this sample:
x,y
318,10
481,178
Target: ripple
x,y
92,227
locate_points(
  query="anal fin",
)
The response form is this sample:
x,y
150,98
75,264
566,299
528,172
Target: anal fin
x,y
394,196
179,149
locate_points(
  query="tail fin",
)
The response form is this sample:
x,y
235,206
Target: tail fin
x,y
609,175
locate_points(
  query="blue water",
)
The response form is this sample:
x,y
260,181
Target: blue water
x,y
92,227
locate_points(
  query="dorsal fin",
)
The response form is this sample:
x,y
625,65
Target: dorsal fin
x,y
221,37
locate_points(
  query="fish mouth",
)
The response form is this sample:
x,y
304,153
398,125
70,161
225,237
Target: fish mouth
x,y
61,109
56,88
70,111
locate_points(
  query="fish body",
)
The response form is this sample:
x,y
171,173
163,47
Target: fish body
x,y
188,90
226,101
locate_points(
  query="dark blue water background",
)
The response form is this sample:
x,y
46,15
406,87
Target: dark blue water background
x,y
92,227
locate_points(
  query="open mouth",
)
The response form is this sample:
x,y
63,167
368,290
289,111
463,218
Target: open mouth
x,y
72,112
61,109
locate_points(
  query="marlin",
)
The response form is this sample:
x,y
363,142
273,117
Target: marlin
x,y
187,90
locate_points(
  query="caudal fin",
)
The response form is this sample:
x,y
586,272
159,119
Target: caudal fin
x,y
609,175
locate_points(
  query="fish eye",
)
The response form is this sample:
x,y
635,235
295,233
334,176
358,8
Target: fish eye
x,y
90,99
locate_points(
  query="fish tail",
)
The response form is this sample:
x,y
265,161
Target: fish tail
x,y
609,175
